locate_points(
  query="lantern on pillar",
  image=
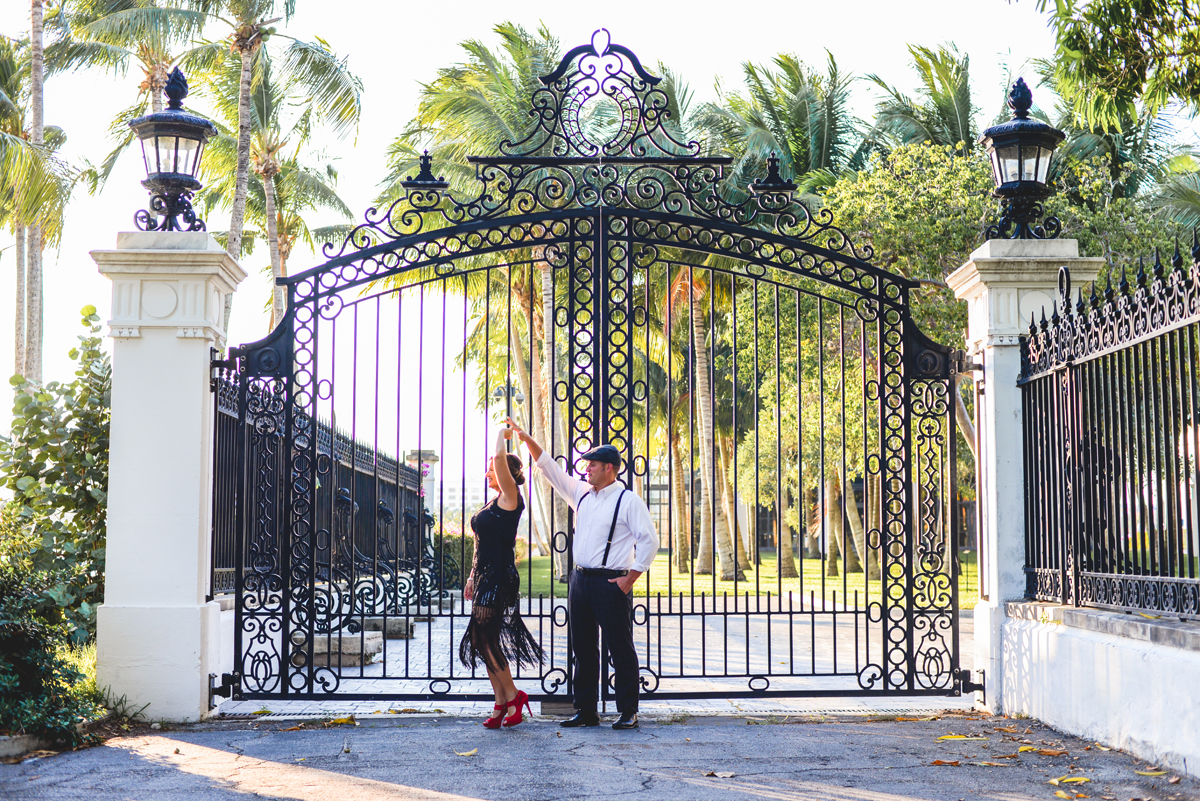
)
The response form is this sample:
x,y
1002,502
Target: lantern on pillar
x,y
172,146
1021,151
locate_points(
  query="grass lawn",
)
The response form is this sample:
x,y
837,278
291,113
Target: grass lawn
x,y
662,580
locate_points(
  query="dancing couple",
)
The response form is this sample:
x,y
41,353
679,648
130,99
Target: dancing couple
x,y
614,543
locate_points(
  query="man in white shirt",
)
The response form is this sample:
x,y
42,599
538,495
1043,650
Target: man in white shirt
x,y
614,545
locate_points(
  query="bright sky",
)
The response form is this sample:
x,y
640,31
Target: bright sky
x,y
394,47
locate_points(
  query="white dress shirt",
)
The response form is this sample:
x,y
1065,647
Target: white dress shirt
x,y
634,543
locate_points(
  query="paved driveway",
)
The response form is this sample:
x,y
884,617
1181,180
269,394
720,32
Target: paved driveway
x,y
806,758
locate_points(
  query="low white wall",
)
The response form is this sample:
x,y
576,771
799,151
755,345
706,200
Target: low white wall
x,y
1121,680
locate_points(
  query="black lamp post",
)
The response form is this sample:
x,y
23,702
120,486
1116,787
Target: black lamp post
x,y
172,146
1021,151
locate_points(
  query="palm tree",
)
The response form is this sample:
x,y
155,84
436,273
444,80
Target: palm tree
x,y
33,267
335,93
943,114
283,188
793,112
1179,194
34,188
470,109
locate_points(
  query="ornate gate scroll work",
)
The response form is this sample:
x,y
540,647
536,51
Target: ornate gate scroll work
x,y
604,205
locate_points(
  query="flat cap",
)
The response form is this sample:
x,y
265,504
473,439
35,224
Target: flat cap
x,y
604,453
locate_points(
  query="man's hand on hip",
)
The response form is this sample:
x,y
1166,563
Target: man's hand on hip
x,y
626,581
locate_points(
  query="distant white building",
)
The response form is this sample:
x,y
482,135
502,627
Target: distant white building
x,y
452,498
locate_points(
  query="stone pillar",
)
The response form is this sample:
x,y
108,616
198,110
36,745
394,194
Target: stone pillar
x,y
157,634
1005,282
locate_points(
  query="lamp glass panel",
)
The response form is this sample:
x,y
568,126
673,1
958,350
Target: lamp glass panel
x,y
147,155
1044,165
997,175
166,153
187,155
1029,163
1010,163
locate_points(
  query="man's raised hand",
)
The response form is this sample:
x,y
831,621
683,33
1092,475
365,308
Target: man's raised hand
x,y
535,450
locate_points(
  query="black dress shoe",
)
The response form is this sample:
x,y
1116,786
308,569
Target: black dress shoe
x,y
628,720
581,719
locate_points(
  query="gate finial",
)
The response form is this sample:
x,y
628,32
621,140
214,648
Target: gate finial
x,y
425,180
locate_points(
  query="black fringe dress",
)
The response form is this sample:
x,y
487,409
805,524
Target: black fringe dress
x,y
496,634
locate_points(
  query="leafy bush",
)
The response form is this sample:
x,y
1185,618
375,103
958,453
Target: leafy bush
x,y
41,692
56,464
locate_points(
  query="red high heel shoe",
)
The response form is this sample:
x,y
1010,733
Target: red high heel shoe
x,y
522,700
494,722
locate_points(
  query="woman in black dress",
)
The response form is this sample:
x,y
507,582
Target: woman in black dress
x,y
496,634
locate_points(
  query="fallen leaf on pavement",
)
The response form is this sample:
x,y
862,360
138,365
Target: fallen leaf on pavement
x,y
472,752
38,755
1025,748
1151,772
1061,794
1150,617
1010,729
347,721
294,728
1103,747
1070,780
261,712
1173,780
1051,752
961,737
951,763
1008,756
990,764
301,759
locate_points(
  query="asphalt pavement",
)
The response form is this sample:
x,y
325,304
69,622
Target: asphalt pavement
x,y
952,755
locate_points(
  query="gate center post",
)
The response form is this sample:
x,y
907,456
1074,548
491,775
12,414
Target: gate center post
x,y
1005,282
157,634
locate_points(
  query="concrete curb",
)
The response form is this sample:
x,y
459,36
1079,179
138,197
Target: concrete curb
x,y
17,744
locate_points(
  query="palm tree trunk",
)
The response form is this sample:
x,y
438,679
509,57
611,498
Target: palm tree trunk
x,y
787,560
833,526
33,259
518,356
545,393
708,532
859,535
681,510
729,504
812,519
237,219
278,298
19,315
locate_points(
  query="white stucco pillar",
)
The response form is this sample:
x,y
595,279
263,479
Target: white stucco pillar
x,y
1005,282
157,636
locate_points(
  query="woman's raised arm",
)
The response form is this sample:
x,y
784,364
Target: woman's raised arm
x,y
510,496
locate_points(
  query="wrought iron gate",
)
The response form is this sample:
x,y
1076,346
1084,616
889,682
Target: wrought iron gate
x,y
604,281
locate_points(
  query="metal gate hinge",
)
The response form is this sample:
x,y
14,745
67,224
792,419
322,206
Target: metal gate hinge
x,y
215,365
231,685
963,364
966,683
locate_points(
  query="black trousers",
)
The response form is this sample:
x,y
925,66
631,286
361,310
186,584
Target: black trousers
x,y
595,603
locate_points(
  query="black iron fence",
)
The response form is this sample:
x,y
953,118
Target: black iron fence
x,y
1112,438
379,517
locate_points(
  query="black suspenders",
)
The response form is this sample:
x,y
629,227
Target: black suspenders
x,y
612,527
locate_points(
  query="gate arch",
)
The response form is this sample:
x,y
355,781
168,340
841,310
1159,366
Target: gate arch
x,y
626,239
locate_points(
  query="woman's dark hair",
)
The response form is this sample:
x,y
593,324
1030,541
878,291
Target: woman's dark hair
x,y
516,468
